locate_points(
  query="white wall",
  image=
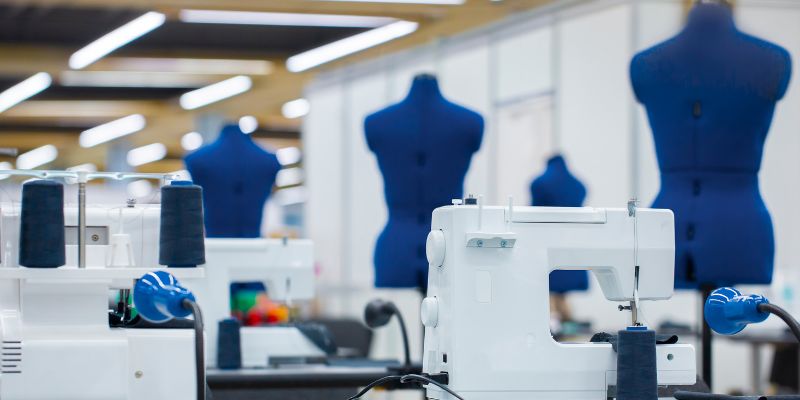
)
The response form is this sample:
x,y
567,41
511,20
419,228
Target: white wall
x,y
554,80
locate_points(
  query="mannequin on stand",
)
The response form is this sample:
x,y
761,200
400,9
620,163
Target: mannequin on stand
x,y
424,145
710,94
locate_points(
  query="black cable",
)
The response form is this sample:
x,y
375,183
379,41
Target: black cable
x,y
404,379
378,382
405,335
425,379
782,314
199,348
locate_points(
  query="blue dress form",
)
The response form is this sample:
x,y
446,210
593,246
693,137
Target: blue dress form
x,y
237,178
557,187
710,94
423,145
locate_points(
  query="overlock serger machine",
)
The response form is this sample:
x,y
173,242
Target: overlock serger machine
x,y
58,341
486,313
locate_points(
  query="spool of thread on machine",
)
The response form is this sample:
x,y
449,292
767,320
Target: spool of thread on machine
x,y
636,364
41,235
181,242
229,347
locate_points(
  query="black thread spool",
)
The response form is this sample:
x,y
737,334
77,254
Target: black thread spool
x,y
229,344
637,377
41,233
181,242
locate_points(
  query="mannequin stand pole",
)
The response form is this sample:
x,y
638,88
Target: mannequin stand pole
x,y
706,338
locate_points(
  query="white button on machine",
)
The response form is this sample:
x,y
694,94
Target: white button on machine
x,y
429,312
434,248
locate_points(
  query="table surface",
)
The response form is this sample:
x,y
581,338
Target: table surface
x,y
296,376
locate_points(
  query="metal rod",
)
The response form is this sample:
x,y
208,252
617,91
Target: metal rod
x,y
82,225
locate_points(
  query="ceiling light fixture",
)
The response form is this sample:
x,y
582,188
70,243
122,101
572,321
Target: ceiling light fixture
x,y
88,167
116,39
281,19
112,130
288,155
248,124
146,154
24,90
191,141
295,108
353,44
37,157
215,92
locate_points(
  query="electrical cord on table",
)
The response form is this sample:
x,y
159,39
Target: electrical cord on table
x,y
782,314
199,349
421,379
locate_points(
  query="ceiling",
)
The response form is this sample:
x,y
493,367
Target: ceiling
x,y
40,35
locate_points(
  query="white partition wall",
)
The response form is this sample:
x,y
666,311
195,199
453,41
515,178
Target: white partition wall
x,y
554,80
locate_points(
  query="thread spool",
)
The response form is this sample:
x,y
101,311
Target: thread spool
x,y
181,242
41,236
229,347
636,364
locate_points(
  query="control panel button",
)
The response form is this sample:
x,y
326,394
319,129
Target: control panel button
x,y
429,312
434,248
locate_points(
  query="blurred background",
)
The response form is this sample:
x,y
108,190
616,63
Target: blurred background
x,y
300,77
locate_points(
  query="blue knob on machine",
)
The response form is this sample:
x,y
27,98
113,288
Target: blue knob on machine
x,y
728,311
159,297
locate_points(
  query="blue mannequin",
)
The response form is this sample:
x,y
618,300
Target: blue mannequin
x,y
710,93
237,178
424,145
557,187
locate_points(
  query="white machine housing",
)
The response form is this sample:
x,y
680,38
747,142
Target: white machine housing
x,y
284,266
487,314
54,324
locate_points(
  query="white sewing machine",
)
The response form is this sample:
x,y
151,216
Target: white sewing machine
x,y
54,323
284,266
486,313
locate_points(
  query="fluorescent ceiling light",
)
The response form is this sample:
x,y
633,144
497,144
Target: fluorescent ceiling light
x,y
88,167
116,39
281,19
140,188
4,166
289,196
248,124
181,175
216,92
212,66
112,130
295,108
349,45
134,79
438,2
146,154
37,157
191,141
288,155
289,177
24,90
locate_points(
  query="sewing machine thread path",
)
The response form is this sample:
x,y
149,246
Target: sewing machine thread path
x,y
486,313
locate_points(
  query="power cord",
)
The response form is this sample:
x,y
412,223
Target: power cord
x,y
410,378
782,314
199,348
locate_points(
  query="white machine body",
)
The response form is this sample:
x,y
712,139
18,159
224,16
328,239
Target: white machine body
x,y
284,266
54,324
487,314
